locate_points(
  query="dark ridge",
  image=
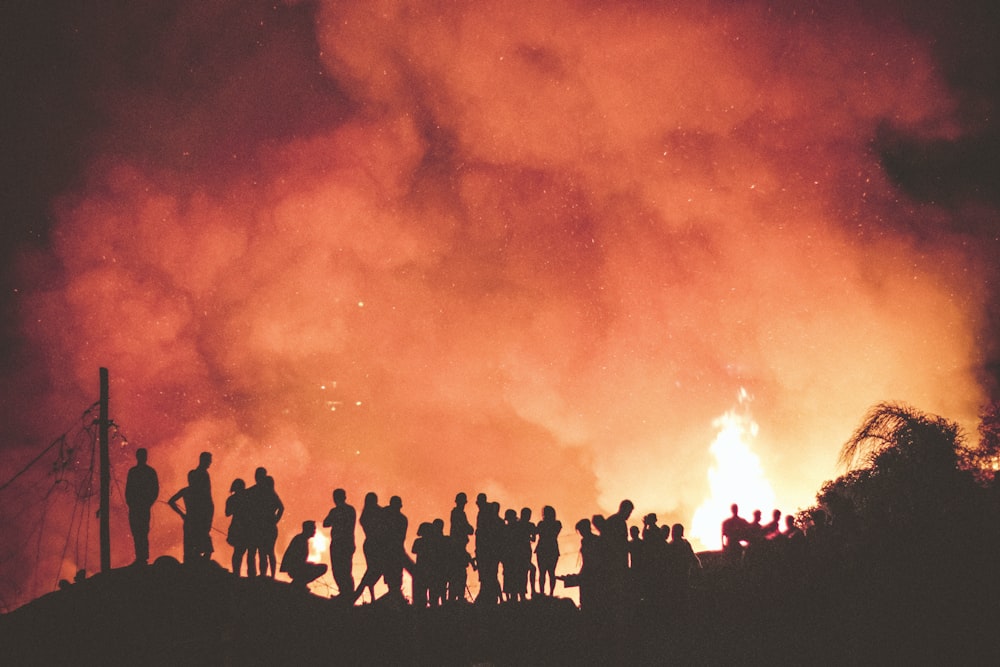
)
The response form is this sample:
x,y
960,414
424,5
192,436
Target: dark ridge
x,y
169,614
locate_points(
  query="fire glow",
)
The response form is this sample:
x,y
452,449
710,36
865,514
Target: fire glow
x,y
521,248
737,476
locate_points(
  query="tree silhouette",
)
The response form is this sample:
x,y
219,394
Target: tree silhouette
x,y
987,456
909,474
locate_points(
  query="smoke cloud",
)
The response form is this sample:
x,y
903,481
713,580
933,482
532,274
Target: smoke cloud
x,y
531,249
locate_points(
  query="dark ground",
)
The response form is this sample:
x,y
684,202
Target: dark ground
x,y
166,614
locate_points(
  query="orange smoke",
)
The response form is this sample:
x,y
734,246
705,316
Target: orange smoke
x,y
523,248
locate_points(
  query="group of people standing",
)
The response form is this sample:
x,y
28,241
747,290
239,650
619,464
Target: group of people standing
x,y
751,541
623,566
515,558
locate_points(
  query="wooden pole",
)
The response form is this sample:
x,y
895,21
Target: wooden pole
x,y
105,511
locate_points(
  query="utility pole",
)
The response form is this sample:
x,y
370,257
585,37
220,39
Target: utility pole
x,y
105,511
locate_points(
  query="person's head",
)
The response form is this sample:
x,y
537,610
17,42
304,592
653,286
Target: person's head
x,y
510,516
461,499
309,528
678,532
141,456
205,460
237,485
649,519
268,482
260,474
339,496
735,509
481,500
583,527
371,499
438,526
525,514
598,522
789,521
776,515
756,516
633,531
549,512
625,508
396,503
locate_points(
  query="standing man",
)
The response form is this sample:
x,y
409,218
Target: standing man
x,y
200,508
395,557
341,521
141,489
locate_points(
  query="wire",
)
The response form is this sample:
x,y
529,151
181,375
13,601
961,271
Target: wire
x,y
60,439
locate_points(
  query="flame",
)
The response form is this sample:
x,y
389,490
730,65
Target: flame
x,y
517,248
318,544
737,476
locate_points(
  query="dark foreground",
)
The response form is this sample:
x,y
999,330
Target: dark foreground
x,y
167,614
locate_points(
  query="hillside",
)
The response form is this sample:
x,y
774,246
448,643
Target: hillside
x,y
167,614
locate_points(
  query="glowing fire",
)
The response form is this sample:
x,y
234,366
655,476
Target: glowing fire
x,y
318,545
736,477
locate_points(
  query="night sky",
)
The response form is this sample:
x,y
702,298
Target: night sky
x,y
530,249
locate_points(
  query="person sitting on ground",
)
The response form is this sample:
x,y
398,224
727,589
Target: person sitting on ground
x,y
295,561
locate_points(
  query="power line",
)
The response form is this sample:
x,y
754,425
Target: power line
x,y
58,440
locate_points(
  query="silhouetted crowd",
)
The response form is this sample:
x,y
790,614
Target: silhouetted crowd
x,y
620,566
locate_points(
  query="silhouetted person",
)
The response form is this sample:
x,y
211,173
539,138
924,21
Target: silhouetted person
x,y
792,532
430,552
195,546
421,567
614,536
733,532
200,508
373,523
754,556
649,526
683,561
652,576
237,507
341,521
615,530
754,530
482,507
141,489
396,559
591,567
265,511
460,527
438,583
772,529
547,549
530,531
458,558
489,548
295,561
457,565
256,522
634,548
515,573
274,510
821,548
794,542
